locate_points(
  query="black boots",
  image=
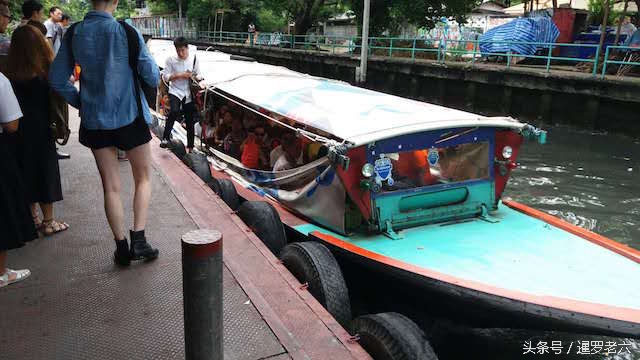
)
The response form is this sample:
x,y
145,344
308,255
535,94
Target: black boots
x,y
139,250
121,255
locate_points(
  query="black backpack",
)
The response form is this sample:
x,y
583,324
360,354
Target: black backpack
x,y
134,52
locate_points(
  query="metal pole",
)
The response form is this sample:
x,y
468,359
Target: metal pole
x,y
364,51
620,20
202,291
215,25
549,58
605,19
180,15
604,64
221,24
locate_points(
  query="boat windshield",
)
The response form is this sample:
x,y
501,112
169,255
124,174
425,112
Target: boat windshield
x,y
424,167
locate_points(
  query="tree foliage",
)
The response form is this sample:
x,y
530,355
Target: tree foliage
x,y
305,13
596,12
273,15
393,14
76,9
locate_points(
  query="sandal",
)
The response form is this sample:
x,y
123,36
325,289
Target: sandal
x,y
5,279
50,227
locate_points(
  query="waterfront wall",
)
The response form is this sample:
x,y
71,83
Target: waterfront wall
x,y
556,98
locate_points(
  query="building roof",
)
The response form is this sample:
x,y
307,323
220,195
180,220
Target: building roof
x,y
548,4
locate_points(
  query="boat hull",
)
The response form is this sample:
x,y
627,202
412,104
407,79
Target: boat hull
x,y
426,299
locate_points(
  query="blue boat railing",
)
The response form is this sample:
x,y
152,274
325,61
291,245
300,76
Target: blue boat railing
x,y
425,48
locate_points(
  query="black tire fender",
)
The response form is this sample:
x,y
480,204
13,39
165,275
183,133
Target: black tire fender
x,y
199,164
159,131
177,147
226,191
265,222
313,263
392,336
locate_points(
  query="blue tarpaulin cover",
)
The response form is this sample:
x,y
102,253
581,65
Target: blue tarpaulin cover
x,y
633,40
540,30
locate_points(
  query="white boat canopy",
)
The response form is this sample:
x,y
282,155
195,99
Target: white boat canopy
x,y
350,113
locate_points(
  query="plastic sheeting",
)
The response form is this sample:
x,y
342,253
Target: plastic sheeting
x,y
634,40
521,31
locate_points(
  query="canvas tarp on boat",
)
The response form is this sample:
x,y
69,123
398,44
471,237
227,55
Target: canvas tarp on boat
x,y
313,190
350,113
347,112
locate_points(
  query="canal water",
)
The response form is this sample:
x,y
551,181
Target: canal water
x,y
588,179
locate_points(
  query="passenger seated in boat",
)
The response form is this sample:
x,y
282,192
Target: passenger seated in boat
x,y
312,152
234,139
209,129
464,162
292,151
224,128
322,152
253,156
413,167
250,120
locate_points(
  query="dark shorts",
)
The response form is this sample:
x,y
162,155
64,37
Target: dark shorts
x,y
125,138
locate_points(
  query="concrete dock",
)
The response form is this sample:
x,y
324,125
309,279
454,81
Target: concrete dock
x,y
78,305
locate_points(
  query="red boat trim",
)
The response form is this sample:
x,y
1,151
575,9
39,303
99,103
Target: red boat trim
x,y
614,246
605,311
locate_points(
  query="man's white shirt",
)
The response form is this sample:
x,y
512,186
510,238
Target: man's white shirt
x,y
9,107
180,88
54,32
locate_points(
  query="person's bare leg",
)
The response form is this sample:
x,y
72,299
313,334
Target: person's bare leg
x,y
3,266
140,160
47,211
34,209
50,225
3,262
109,168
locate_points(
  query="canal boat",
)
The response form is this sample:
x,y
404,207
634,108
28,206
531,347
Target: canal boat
x,y
412,191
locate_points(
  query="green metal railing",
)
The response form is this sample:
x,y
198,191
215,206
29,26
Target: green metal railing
x,y
426,48
625,49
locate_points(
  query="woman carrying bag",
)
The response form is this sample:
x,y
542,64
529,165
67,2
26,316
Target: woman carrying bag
x,y
114,113
30,57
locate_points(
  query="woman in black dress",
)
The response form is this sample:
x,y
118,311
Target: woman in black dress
x,y
27,67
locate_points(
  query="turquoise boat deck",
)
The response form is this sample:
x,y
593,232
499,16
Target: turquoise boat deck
x,y
518,253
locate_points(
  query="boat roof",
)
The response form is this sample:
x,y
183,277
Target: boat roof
x,y
348,112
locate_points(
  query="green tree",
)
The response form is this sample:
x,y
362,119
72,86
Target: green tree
x,y
392,14
596,12
305,13
240,14
269,21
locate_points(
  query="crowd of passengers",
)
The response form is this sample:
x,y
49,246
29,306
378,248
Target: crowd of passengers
x,y
258,143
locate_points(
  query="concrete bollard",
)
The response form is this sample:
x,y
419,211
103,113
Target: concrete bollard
x,y
202,291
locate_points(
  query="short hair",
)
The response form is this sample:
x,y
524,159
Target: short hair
x,y
288,140
180,41
53,9
65,17
29,6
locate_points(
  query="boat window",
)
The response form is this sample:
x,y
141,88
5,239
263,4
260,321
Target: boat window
x,y
256,141
426,167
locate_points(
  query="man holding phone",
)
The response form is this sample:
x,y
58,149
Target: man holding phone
x,y
178,72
